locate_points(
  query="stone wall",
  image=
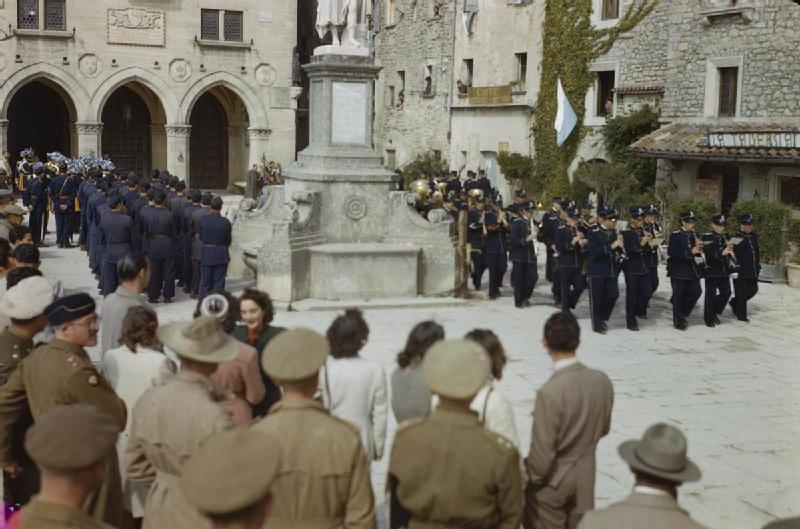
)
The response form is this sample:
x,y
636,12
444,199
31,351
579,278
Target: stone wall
x,y
153,47
419,37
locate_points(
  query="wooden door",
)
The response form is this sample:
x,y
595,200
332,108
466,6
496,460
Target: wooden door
x,y
126,131
208,147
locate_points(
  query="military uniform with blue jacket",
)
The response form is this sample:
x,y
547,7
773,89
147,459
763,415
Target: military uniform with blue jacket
x,y
475,237
63,190
35,197
570,264
159,229
116,232
684,271
638,281
496,256
745,286
523,254
602,271
214,231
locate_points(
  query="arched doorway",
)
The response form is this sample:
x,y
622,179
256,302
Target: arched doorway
x,y
208,154
126,130
41,116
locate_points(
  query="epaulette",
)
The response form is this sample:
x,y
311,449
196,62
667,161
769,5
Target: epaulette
x,y
409,423
504,443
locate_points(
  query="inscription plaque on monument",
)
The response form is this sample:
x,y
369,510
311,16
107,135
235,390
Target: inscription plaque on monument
x,y
141,27
348,119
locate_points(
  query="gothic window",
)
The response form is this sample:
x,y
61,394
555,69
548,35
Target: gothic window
x,y
55,15
209,24
28,14
215,22
234,26
728,81
46,14
610,10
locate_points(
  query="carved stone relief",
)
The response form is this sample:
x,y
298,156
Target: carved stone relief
x,y
89,65
266,74
141,27
180,70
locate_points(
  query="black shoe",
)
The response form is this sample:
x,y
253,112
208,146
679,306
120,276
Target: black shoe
x,y
167,300
494,296
519,305
710,324
716,320
633,327
604,326
601,330
526,303
746,320
643,315
682,326
152,300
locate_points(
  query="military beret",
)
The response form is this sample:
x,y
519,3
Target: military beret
x,y
636,212
651,210
69,308
746,218
295,354
71,437
609,213
457,369
527,205
566,203
519,193
14,209
27,299
244,464
719,219
688,216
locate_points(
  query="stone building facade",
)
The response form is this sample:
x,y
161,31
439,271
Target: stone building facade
x,y
201,88
724,76
414,46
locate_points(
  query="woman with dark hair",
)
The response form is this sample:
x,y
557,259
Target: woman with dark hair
x,y
493,408
240,376
256,311
354,388
411,398
133,368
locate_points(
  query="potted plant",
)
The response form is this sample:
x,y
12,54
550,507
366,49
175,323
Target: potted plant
x,y
771,220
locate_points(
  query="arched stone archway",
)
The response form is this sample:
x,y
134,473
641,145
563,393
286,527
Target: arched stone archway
x,y
138,77
62,79
252,102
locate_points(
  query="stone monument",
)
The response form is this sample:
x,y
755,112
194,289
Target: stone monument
x,y
336,229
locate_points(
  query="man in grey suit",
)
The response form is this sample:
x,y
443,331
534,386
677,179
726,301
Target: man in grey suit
x,y
572,413
660,465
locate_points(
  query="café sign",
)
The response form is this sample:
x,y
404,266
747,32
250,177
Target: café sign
x,y
770,140
489,95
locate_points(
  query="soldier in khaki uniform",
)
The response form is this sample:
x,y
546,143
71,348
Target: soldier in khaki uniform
x,y
189,404
24,304
58,373
659,463
244,465
71,445
325,478
448,470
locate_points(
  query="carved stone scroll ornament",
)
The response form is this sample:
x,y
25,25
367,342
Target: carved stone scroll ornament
x,y
142,27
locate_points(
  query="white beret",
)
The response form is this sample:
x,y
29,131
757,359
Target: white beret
x,y
27,299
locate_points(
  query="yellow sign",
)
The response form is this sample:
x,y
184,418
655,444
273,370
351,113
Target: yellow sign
x,y
489,95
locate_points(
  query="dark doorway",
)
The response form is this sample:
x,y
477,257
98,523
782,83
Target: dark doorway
x,y
726,180
39,118
126,130
208,146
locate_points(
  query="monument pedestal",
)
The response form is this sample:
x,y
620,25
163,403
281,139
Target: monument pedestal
x,y
341,232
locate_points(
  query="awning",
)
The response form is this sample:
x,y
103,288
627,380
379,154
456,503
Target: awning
x,y
770,143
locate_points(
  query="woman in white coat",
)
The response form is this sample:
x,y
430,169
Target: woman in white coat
x,y
135,366
493,408
354,388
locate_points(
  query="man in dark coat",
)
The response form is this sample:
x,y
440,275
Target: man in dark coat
x,y
214,232
159,229
745,286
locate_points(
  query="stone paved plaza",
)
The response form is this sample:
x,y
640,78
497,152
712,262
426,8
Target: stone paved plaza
x,y
733,389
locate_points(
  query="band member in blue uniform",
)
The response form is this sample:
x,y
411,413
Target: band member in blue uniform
x,y
476,233
718,250
638,283
651,253
159,229
193,204
685,253
116,234
214,231
569,244
605,249
495,246
35,199
523,255
747,253
63,190
547,231
205,209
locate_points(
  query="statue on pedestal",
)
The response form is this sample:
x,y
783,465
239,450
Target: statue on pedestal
x,y
334,16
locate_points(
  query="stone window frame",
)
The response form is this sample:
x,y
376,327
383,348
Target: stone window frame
x,y
429,70
221,40
591,119
392,13
711,99
41,30
597,17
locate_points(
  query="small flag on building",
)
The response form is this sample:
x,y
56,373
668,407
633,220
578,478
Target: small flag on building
x,y
565,117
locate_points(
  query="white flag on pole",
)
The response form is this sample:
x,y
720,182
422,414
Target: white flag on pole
x,y
565,116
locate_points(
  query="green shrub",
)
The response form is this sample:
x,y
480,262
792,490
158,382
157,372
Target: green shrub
x,y
703,209
517,168
769,220
618,185
426,162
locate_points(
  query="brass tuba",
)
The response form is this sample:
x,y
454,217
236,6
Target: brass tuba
x,y
474,194
421,189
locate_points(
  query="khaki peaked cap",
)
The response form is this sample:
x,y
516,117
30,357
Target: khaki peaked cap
x,y
231,471
295,354
71,437
457,369
201,339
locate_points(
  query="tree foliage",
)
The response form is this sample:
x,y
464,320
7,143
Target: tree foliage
x,y
614,181
517,168
425,163
570,43
620,132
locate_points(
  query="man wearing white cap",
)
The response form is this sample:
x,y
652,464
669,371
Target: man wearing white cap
x,y
24,304
449,470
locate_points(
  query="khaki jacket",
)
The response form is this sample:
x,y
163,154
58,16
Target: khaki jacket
x,y
42,515
325,479
640,510
451,471
168,424
572,413
52,375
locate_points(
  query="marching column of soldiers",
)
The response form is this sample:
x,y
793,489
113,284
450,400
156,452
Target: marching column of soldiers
x,y
587,252
114,212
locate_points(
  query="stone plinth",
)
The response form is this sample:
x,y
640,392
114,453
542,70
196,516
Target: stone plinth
x,y
363,271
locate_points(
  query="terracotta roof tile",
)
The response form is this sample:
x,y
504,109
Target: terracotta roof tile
x,y
640,89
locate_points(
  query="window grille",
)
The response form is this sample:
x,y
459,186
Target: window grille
x,y
610,9
28,14
728,80
55,15
233,26
209,24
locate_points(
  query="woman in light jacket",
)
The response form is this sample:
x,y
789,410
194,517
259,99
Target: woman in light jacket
x,y
354,388
493,408
135,366
411,398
